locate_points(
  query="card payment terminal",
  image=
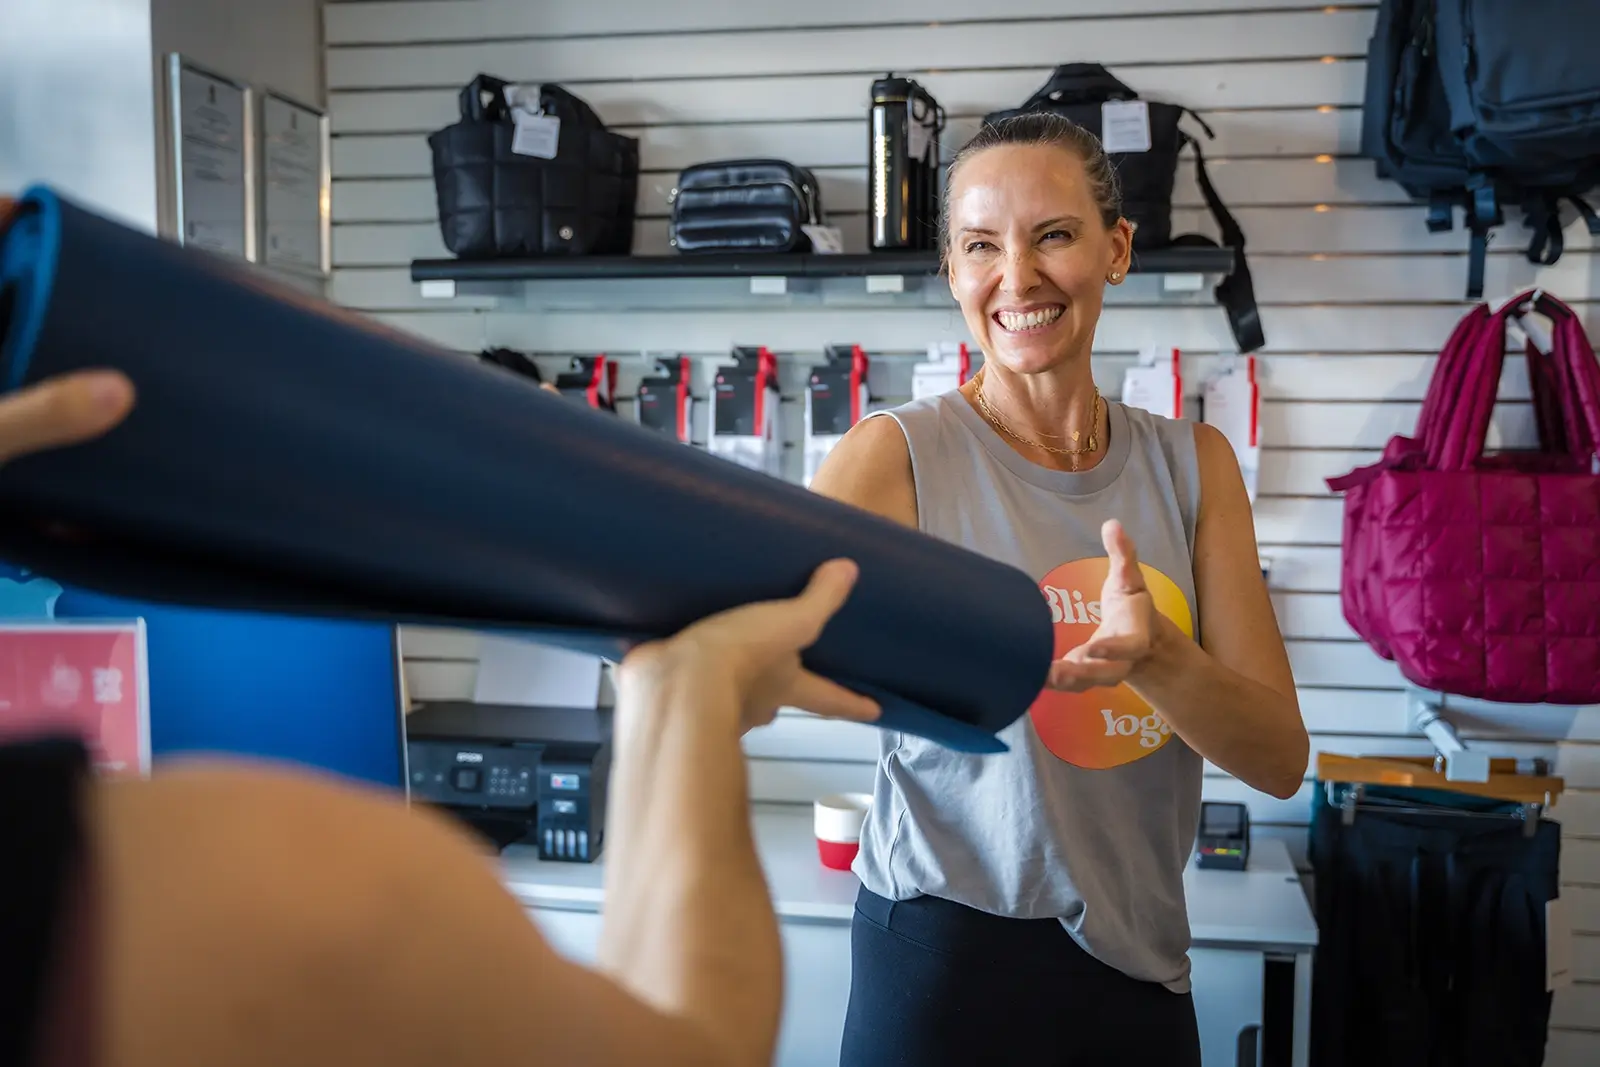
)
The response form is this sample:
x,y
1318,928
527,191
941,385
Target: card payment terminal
x,y
1224,836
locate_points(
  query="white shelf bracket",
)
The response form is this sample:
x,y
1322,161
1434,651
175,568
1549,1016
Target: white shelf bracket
x,y
1461,764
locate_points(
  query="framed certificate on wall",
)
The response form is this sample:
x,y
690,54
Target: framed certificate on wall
x,y
295,186
212,128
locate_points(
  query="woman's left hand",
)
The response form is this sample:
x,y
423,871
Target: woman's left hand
x,y
1128,624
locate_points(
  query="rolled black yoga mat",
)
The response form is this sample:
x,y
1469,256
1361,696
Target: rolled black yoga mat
x,y
287,455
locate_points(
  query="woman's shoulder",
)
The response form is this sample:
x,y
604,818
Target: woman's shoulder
x,y
1160,425
1191,443
1175,438
871,468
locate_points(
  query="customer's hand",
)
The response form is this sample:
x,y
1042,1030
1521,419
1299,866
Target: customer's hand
x,y
756,649
62,411
1128,626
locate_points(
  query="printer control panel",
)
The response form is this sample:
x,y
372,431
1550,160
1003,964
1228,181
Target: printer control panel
x,y
490,777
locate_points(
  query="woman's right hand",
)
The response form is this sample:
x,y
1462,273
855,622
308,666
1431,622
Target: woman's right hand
x,y
756,649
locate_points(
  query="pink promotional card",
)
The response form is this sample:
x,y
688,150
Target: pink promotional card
x,y
87,679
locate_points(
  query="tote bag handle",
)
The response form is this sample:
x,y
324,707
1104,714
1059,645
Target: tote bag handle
x,y
1449,377
1562,383
474,108
1580,395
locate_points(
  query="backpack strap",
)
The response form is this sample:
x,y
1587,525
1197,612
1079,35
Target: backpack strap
x,y
1441,211
1483,214
1542,215
1236,292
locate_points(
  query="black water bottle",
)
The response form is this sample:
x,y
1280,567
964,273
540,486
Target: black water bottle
x,y
903,169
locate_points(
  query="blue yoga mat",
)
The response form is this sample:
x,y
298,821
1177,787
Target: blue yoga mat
x,y
288,455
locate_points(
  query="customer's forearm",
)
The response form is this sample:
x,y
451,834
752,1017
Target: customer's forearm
x,y
688,922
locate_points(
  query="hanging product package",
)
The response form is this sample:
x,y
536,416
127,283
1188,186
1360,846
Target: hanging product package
x,y
948,366
664,402
836,399
532,171
1155,382
592,380
287,455
746,414
1232,403
1143,140
1479,574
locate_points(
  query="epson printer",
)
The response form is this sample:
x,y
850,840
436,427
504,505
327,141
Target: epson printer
x,y
517,775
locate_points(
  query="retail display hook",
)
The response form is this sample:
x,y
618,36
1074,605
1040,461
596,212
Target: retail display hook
x,y
1461,764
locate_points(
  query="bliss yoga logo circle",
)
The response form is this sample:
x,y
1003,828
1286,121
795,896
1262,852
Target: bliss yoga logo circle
x,y
1108,727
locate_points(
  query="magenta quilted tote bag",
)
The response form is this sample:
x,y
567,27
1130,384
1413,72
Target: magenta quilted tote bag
x,y
1479,575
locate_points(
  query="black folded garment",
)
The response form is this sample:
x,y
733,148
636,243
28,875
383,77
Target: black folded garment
x,y
288,455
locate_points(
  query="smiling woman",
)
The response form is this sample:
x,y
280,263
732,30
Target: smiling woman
x,y
1029,907
1041,184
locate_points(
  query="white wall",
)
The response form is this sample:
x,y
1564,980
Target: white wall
x,y
275,45
77,103
1356,295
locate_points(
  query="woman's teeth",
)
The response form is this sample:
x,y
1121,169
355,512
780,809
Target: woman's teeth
x,y
1028,320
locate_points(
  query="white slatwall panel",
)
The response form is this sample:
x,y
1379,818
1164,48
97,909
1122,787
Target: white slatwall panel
x,y
1356,295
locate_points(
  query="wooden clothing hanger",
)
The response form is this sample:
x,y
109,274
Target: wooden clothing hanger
x,y
1417,772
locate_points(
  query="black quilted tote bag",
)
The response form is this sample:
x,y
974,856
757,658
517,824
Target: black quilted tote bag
x,y
496,201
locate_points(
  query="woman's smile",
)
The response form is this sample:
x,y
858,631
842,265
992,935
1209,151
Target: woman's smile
x,y
1029,320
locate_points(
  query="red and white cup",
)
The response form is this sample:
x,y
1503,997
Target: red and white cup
x,y
837,819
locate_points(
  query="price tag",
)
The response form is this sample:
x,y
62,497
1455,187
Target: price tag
x,y
537,135
825,240
885,283
1557,946
1125,126
765,285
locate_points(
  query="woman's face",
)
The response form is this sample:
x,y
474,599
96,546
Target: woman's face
x,y
1029,256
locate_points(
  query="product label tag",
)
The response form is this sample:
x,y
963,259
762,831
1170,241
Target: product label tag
x,y
537,135
825,240
1125,126
1557,946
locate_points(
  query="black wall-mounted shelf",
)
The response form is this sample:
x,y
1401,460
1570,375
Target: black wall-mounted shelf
x,y
1186,260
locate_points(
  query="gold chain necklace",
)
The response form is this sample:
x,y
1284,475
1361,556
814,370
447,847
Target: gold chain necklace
x,y
1093,444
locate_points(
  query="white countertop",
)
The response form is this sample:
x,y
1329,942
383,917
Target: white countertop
x,y
1261,906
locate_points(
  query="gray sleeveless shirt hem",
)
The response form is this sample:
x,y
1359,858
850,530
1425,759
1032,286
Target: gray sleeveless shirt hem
x,y
1091,816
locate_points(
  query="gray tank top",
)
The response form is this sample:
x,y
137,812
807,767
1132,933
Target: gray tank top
x,y
1091,816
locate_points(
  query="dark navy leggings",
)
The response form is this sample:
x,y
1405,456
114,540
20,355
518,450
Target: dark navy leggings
x,y
935,983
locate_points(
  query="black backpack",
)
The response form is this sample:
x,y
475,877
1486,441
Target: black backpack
x,y
497,202
1482,104
1077,92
